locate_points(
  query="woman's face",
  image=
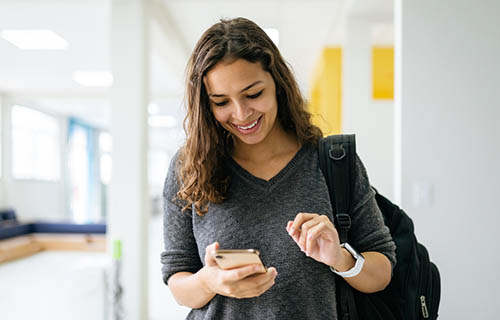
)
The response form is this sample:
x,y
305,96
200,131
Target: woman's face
x,y
243,99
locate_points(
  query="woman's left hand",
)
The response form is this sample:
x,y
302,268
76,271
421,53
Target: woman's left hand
x,y
317,238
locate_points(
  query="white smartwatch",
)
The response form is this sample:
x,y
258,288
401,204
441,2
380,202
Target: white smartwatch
x,y
360,260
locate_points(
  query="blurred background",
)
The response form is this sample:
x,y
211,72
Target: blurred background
x,y
91,98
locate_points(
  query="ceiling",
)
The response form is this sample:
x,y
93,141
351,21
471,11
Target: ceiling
x,y
44,77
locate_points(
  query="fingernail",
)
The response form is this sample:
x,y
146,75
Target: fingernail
x,y
292,230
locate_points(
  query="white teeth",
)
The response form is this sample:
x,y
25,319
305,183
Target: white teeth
x,y
250,126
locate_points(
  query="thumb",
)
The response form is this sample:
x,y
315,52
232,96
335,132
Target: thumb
x,y
209,259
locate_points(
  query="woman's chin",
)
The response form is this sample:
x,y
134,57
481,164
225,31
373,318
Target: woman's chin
x,y
249,140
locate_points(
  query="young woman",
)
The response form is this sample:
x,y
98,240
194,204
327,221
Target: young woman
x,y
248,177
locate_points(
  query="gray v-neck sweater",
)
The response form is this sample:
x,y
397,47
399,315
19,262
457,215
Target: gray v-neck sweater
x,y
255,216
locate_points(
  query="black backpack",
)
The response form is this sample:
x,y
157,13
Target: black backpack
x,y
415,289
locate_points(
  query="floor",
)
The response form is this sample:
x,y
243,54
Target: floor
x,y
69,285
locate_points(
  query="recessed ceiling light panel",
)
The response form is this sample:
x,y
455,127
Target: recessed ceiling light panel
x,y
35,39
93,78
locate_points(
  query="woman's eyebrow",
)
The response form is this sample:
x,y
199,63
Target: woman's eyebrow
x,y
244,89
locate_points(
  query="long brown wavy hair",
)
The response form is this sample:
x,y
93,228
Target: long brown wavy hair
x,y
203,161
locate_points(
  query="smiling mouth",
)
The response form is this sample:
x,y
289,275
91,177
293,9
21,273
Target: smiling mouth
x,y
250,127
253,124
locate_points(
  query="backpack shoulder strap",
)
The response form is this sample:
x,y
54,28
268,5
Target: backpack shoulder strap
x,y
337,160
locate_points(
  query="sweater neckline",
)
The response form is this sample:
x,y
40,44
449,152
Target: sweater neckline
x,y
289,167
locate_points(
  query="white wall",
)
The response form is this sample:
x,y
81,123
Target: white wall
x,y
371,120
31,199
450,120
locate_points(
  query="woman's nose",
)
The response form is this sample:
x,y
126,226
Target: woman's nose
x,y
241,112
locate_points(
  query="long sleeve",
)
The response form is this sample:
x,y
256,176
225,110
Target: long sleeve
x,y
181,251
368,231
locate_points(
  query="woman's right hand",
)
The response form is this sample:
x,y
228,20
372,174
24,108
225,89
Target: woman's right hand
x,y
243,282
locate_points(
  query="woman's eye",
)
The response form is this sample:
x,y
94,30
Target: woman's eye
x,y
254,96
220,104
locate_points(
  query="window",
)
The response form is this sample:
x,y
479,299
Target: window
x,y
35,145
1,136
105,168
84,183
105,146
79,173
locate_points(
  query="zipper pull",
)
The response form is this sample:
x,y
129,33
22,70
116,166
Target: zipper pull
x,y
425,311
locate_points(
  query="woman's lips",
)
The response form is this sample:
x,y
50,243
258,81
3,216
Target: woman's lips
x,y
251,127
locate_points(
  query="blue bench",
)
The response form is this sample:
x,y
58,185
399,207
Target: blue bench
x,y
10,227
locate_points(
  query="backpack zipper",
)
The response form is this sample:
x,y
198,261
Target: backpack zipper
x,y
425,289
423,304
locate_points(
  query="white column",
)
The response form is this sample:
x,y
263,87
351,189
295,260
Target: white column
x,y
450,155
370,120
398,74
356,73
129,210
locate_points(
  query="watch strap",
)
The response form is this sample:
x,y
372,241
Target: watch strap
x,y
358,266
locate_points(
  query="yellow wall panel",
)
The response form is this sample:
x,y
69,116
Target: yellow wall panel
x,y
325,100
326,92
383,72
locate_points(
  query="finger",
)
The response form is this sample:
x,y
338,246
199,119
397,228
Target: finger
x,y
312,235
309,225
242,287
305,230
295,236
260,278
240,273
299,220
257,291
209,258
258,287
326,220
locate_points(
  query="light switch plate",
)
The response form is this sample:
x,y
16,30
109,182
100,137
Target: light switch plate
x,y
423,194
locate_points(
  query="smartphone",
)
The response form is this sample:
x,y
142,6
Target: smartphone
x,y
230,259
